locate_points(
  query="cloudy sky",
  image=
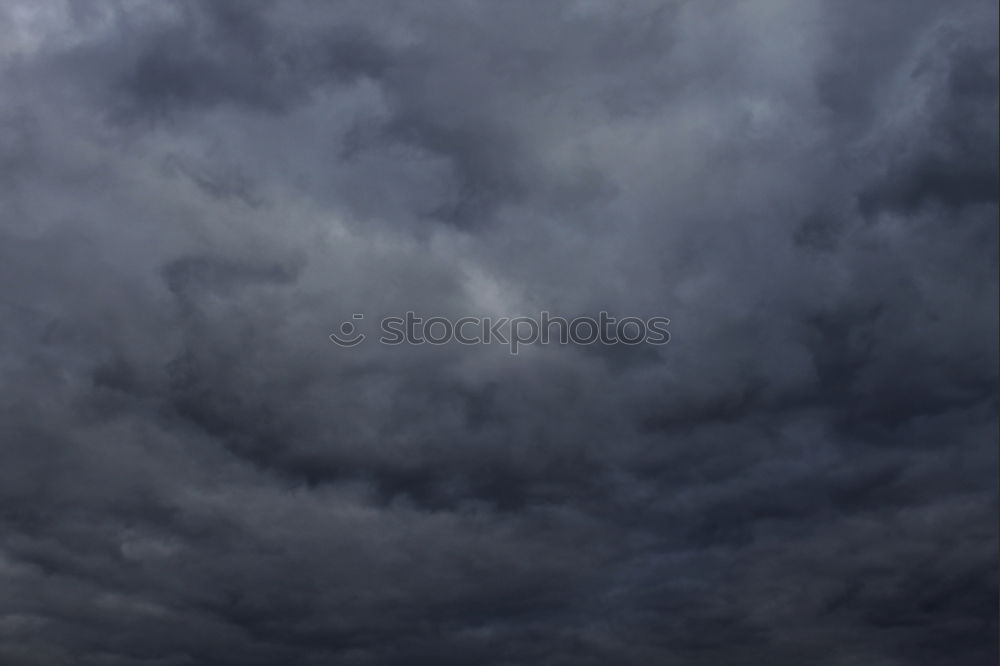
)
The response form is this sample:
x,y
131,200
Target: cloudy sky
x,y
194,194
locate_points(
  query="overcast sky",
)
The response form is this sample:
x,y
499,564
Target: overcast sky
x,y
194,195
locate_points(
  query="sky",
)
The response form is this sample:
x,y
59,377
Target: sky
x,y
195,194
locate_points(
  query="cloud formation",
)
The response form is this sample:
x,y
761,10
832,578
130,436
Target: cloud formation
x,y
195,194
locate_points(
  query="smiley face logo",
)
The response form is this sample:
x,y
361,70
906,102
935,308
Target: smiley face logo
x,y
348,335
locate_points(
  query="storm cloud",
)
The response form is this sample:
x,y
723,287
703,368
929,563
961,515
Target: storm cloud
x,y
196,194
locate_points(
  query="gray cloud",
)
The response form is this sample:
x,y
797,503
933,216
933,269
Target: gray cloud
x,y
196,194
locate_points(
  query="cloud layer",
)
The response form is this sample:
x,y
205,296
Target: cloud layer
x,y
195,194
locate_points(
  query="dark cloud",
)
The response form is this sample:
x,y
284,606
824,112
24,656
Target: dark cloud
x,y
196,194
